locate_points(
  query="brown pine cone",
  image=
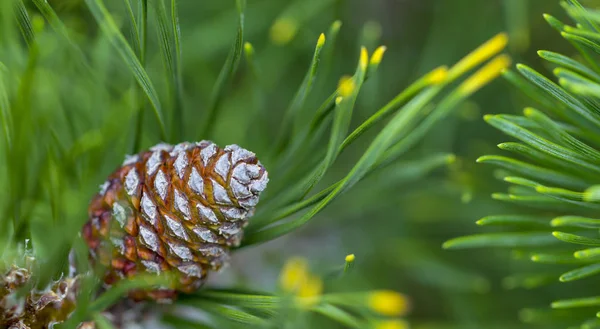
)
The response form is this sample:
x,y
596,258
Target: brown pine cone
x,y
36,309
175,208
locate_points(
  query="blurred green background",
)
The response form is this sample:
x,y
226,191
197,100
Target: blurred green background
x,y
396,232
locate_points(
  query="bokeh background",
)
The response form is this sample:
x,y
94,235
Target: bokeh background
x,y
395,231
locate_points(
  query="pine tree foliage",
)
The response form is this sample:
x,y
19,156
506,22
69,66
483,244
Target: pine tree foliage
x,y
552,166
73,103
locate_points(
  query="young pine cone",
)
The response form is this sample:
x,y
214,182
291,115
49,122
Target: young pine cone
x,y
174,208
37,309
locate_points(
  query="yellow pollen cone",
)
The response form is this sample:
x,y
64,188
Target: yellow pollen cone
x,y
364,58
283,31
486,74
378,55
321,40
346,86
480,55
438,75
387,302
293,274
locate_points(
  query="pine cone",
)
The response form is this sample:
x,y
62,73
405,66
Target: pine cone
x,y
37,309
175,208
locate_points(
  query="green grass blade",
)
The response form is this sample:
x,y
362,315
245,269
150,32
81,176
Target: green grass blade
x,y
577,83
362,167
304,138
179,110
511,240
586,48
143,28
341,122
24,22
534,126
102,322
581,273
548,161
288,129
568,63
226,312
536,201
580,114
577,302
242,299
533,171
109,27
577,221
554,258
579,14
557,132
52,18
368,161
376,153
521,181
260,222
143,33
584,33
5,111
116,292
89,285
554,192
590,253
165,39
427,80
576,239
133,29
339,315
176,32
328,53
178,322
407,170
555,23
227,72
169,45
566,196
57,25
473,83
386,110
529,90
540,143
515,220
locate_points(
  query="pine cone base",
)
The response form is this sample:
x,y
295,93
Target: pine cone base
x,y
37,309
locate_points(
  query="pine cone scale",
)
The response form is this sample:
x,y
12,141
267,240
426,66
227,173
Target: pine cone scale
x,y
175,208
